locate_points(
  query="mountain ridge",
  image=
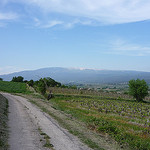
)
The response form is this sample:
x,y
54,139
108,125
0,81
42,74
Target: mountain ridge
x,y
77,76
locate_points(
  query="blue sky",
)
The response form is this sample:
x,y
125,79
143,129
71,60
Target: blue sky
x,y
95,34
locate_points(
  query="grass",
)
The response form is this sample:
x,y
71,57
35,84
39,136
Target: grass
x,y
46,139
126,122
13,87
3,123
64,124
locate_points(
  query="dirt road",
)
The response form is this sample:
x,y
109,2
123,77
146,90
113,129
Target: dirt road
x,y
24,121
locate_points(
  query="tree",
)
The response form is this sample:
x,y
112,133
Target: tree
x,y
51,82
42,86
138,89
1,79
17,79
30,83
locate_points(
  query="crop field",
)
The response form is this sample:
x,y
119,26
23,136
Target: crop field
x,y
105,94
126,121
13,87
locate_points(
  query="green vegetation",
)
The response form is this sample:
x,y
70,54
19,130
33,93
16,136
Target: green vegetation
x,y
13,87
43,84
138,89
1,79
17,79
108,113
30,83
74,128
3,123
46,139
125,121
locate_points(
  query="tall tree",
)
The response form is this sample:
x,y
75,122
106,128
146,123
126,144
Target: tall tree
x,y
138,89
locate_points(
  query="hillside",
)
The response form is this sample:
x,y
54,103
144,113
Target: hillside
x,y
84,76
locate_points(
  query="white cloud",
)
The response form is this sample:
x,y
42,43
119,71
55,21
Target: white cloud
x,y
49,24
67,24
104,11
9,69
122,47
74,22
8,16
37,22
52,24
101,11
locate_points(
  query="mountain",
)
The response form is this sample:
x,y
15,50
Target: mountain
x,y
80,76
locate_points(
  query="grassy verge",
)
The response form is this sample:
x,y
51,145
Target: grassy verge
x,y
75,126
3,123
73,131
13,87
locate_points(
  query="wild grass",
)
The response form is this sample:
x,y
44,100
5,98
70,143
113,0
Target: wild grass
x,y
3,123
46,139
128,122
13,87
67,126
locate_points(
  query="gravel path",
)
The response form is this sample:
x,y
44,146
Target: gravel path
x,y
24,120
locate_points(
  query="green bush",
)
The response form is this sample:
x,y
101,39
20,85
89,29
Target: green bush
x,y
138,89
17,79
41,87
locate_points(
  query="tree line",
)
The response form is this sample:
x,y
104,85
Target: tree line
x,y
40,85
137,88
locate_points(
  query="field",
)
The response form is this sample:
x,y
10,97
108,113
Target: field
x,y
3,123
13,87
124,120
113,115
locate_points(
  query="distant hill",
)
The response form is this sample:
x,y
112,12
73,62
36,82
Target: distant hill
x,y
84,76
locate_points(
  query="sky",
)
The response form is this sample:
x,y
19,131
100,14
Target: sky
x,y
93,34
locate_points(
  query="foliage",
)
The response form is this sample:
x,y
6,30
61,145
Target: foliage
x,y
69,86
13,87
17,79
30,83
1,79
3,123
43,84
138,89
51,82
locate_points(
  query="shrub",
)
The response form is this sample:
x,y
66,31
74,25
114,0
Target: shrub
x,y
17,79
138,89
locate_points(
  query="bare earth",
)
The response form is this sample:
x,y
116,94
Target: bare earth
x,y
24,121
